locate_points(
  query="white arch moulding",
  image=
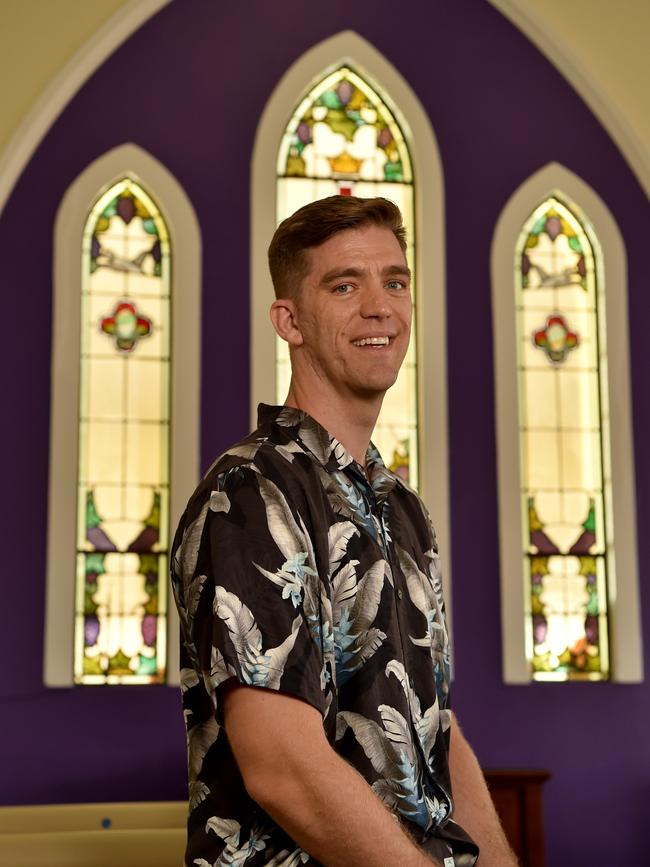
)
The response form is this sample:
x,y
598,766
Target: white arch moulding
x,y
348,47
63,86
624,611
185,239
528,19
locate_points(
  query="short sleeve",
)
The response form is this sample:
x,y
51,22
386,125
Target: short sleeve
x,y
262,625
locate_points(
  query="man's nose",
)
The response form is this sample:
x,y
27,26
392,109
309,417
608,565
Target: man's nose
x,y
375,302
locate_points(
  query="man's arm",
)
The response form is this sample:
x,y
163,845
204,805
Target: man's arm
x,y
291,771
473,807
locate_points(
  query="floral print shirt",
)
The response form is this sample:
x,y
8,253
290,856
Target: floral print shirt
x,y
295,569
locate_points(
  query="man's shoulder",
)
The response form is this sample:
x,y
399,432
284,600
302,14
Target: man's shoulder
x,y
264,453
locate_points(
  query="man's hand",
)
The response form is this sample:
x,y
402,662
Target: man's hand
x,y
291,771
473,807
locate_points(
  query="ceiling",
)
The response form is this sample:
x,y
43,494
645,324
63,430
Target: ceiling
x,y
601,46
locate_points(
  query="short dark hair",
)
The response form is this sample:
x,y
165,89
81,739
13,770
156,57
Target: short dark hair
x,y
313,224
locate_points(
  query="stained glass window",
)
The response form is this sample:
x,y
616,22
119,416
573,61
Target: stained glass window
x,y
564,436
124,416
343,139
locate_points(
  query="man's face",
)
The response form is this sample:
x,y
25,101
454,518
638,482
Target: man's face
x,y
354,311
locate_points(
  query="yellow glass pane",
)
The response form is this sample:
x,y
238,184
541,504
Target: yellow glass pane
x,y
109,501
398,446
138,501
540,399
123,510
282,371
399,402
530,357
580,456
146,453
116,523
579,399
293,193
542,468
107,283
146,287
538,300
145,392
105,449
115,242
106,391
549,505
575,299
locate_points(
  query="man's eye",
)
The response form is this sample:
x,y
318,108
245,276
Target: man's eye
x,y
343,288
396,284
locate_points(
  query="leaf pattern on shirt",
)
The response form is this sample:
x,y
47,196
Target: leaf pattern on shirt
x,y
292,540
199,740
317,440
297,576
423,596
338,538
425,592
354,610
220,671
393,754
233,855
258,667
189,552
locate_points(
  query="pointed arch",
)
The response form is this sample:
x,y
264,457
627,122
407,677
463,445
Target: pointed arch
x,y
623,595
127,160
348,48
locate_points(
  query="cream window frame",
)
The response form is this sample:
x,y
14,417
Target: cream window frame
x,y
185,239
351,49
623,590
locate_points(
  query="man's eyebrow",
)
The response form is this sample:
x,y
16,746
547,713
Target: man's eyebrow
x,y
336,274
404,270
389,271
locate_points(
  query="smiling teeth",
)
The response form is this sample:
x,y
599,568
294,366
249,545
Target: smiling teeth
x,y
373,341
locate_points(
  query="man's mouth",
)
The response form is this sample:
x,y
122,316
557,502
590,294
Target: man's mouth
x,y
382,340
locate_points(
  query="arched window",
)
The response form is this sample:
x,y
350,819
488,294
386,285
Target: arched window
x,y
564,431
124,451
567,506
123,473
384,88
343,139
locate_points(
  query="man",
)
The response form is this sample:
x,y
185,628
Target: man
x,y
315,653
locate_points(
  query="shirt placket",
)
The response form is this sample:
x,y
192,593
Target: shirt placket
x,y
398,579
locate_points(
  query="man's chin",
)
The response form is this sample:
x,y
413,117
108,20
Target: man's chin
x,y
375,387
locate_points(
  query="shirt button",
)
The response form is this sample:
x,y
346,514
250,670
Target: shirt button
x,y
399,594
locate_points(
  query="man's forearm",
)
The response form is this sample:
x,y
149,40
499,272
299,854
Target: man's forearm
x,y
473,807
332,813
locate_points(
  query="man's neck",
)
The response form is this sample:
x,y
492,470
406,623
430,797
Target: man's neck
x,y
350,420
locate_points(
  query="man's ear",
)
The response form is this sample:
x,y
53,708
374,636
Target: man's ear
x,y
284,316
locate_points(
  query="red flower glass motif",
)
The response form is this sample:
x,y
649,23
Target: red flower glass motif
x,y
555,339
126,326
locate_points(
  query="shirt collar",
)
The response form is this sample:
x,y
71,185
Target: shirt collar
x,y
327,450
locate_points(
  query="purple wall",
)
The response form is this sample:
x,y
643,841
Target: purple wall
x,y
190,87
